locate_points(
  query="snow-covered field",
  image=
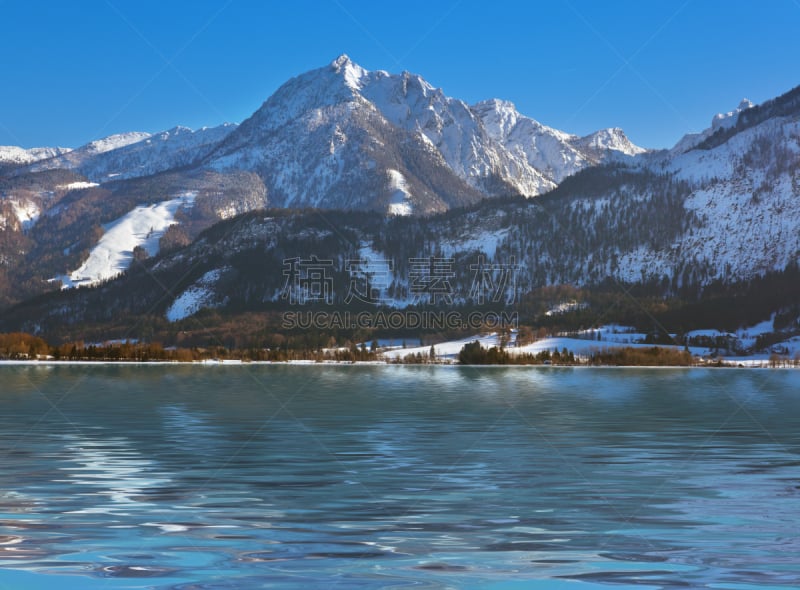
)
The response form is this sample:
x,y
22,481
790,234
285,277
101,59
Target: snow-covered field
x,y
590,341
113,254
443,350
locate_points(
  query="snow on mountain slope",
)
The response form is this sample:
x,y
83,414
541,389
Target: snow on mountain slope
x,y
18,213
400,203
21,156
719,121
197,296
608,143
77,185
737,238
318,142
132,155
330,137
746,155
112,142
73,159
27,212
489,139
179,146
729,119
337,131
409,102
743,194
113,254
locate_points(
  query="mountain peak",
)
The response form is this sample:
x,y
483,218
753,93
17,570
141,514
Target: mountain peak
x,y
341,61
354,122
719,121
351,71
745,104
497,104
115,141
730,118
611,139
498,116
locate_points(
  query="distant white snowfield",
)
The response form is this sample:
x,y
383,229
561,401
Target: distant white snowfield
x,y
113,254
77,185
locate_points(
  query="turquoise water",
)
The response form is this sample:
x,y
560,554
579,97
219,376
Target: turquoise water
x,y
398,477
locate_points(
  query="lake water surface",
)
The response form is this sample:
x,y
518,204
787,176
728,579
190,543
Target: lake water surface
x,y
398,477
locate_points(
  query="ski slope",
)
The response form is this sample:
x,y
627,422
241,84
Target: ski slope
x,y
113,254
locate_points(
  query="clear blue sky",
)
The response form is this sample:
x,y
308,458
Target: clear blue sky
x,y
76,71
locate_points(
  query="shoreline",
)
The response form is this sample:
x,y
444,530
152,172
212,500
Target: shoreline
x,y
752,364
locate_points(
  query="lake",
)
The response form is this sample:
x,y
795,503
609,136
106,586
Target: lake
x,y
254,476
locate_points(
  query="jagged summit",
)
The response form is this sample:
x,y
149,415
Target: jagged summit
x,y
611,139
718,121
115,141
342,136
730,118
351,72
340,61
359,128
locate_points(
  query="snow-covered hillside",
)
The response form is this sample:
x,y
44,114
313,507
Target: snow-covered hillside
x,y
113,254
198,296
133,155
18,156
401,202
743,196
720,121
18,214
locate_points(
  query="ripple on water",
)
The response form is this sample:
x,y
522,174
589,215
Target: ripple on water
x,y
388,478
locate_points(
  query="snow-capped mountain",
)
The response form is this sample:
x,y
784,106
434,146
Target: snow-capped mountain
x,y
13,157
339,137
73,159
550,155
607,144
743,181
719,206
719,121
133,155
676,221
18,156
317,141
344,137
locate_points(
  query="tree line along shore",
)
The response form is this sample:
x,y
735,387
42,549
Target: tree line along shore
x,y
27,347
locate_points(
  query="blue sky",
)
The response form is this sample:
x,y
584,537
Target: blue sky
x,y
76,71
